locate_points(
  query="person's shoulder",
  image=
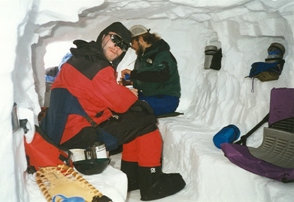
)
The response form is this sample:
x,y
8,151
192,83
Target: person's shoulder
x,y
169,56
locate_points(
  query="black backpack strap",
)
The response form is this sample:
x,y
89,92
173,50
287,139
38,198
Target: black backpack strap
x,y
243,138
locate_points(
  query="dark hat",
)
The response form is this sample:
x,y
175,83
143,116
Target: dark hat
x,y
119,29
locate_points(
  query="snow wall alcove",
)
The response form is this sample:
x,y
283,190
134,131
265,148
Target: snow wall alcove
x,y
210,99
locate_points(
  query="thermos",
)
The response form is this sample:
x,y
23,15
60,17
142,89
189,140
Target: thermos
x,y
97,151
213,57
209,52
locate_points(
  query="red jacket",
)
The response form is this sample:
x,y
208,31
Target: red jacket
x,y
98,96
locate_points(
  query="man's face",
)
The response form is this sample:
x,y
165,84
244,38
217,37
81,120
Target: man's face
x,y
110,49
137,46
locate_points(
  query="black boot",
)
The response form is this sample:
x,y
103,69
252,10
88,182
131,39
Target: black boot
x,y
131,170
154,184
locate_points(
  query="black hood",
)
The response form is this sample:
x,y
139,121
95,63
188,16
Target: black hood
x,y
118,28
92,51
122,31
88,50
88,58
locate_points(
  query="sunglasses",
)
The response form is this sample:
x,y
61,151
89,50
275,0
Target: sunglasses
x,y
117,40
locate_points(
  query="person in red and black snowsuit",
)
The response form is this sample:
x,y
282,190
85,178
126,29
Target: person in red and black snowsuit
x,y
90,77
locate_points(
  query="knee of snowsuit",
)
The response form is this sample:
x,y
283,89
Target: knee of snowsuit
x,y
137,131
146,150
138,120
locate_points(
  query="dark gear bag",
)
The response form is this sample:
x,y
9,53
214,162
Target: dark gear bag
x,y
266,71
274,158
43,152
272,68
